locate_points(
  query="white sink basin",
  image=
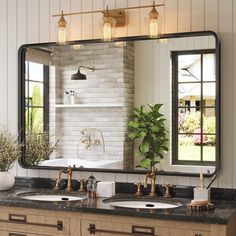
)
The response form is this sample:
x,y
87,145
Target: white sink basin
x,y
143,204
51,197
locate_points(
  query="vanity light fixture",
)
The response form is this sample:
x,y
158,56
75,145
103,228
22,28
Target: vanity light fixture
x,y
113,18
153,24
108,25
62,34
79,75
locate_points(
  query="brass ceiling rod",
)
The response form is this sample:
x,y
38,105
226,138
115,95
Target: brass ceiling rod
x,y
104,11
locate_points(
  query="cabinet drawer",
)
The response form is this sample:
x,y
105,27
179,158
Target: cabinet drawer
x,y
23,221
13,233
91,227
188,232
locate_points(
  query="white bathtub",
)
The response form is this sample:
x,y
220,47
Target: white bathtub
x,y
63,162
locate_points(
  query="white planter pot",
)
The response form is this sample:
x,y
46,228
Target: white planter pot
x,y
7,180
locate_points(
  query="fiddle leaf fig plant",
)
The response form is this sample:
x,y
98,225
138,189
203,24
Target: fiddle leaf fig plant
x,y
148,126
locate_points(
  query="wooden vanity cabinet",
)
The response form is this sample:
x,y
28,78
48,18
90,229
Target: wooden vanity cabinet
x,y
107,225
16,221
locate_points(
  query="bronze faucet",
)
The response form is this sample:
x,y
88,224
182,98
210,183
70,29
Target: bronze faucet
x,y
152,176
69,177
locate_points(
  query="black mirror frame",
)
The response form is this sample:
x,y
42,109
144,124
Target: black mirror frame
x,y
21,102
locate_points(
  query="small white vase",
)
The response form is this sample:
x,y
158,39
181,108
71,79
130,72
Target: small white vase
x,y
7,180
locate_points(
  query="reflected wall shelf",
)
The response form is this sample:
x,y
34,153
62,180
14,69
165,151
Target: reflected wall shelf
x,y
95,105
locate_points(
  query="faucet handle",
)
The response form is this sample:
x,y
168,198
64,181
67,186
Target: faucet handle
x,y
81,188
168,193
57,184
138,192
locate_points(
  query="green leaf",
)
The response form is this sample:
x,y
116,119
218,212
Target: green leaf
x,y
145,163
155,128
142,134
144,147
133,124
157,107
132,135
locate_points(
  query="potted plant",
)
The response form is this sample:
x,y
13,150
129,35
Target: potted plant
x,y
148,126
38,147
9,153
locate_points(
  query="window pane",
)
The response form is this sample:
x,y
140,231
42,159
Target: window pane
x,y
189,92
35,71
209,94
36,117
209,67
188,148
36,93
189,68
209,152
189,122
209,121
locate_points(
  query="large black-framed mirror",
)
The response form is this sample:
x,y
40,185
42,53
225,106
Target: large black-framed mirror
x,y
82,95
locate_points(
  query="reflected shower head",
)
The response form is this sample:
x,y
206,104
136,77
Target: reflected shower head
x,y
79,75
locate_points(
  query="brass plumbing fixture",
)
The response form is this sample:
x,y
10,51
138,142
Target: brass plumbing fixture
x,y
81,188
87,140
138,192
68,172
152,176
168,193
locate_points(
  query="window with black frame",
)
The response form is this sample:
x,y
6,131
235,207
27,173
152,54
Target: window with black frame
x,y
193,107
36,97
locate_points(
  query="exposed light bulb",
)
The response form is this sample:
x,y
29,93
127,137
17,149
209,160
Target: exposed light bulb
x,y
107,31
108,23
153,24
153,28
62,34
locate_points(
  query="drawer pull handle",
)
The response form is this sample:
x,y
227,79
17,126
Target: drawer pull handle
x,y
13,234
18,218
21,219
136,231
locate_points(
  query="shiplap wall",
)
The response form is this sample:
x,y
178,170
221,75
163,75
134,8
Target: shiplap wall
x,y
28,21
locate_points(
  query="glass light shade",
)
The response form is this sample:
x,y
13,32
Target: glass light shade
x,y
153,23
62,30
62,35
108,28
153,28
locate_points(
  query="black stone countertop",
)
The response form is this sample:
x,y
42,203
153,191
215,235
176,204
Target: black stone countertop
x,y
221,215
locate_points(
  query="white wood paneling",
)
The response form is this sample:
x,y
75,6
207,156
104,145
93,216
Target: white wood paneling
x,y
3,65
76,21
225,28
197,15
234,94
133,18
87,20
33,23
184,17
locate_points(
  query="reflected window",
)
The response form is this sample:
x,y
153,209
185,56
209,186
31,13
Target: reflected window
x,y
193,107
36,97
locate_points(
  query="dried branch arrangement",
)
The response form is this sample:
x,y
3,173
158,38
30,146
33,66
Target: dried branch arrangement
x,y
38,147
9,150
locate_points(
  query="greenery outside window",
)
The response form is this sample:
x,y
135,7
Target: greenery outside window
x,y
193,107
36,97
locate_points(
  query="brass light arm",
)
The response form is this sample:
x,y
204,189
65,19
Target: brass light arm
x,y
111,10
